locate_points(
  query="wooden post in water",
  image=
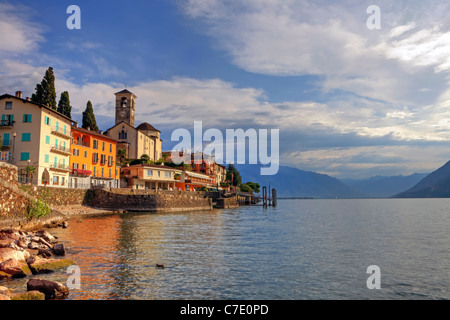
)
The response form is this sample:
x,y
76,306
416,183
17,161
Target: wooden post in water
x,y
264,196
274,197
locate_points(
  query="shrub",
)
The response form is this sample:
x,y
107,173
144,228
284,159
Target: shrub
x,y
37,210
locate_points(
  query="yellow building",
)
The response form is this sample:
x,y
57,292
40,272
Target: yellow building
x,y
136,141
35,136
150,177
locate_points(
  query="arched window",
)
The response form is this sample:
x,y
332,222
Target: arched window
x,y
123,135
124,102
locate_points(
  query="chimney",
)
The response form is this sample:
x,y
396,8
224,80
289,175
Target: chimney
x,y
101,132
28,99
19,94
88,128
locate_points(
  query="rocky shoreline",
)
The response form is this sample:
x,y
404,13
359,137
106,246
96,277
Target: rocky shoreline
x,y
30,253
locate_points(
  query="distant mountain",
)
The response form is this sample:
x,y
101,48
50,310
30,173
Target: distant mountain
x,y
383,187
434,185
292,182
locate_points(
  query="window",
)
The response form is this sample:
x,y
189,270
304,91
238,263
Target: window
x,y
103,146
47,158
102,159
84,167
103,172
110,160
62,181
76,152
47,120
24,156
27,118
85,154
159,173
167,174
95,171
55,180
8,105
9,118
75,165
149,173
95,157
26,136
110,172
123,135
95,144
110,148
47,139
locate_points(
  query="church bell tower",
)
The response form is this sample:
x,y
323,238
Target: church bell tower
x,y
125,107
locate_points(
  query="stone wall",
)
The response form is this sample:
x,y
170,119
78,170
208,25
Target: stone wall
x,y
13,201
142,200
57,196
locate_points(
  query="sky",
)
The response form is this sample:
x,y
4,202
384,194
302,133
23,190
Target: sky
x,y
348,100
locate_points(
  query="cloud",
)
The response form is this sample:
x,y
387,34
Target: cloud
x,y
18,33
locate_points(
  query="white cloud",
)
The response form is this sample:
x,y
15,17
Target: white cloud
x,y
18,33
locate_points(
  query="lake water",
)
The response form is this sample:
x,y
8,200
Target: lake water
x,y
303,249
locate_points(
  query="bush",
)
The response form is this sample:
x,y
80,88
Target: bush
x,y
37,210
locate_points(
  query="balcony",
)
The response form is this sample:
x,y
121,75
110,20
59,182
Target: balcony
x,y
81,144
6,144
6,124
60,150
60,132
60,167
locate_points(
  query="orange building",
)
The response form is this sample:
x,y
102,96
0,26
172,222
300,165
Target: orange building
x,y
93,160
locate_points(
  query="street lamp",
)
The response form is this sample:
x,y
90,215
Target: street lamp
x,y
14,147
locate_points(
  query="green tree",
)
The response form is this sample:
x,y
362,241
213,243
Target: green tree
x,y
233,175
246,188
88,120
121,155
64,106
45,91
254,186
145,158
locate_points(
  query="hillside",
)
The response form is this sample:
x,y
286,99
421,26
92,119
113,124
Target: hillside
x,y
292,182
382,186
434,185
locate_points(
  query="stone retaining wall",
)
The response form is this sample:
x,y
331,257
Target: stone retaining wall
x,y
126,199
13,201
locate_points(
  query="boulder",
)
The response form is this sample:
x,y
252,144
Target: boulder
x,y
16,268
44,265
5,291
45,235
10,253
51,290
59,249
65,224
30,295
33,245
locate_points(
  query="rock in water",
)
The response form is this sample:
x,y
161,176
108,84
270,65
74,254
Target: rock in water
x,y
59,249
52,290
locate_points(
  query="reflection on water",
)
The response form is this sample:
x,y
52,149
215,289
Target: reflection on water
x,y
303,249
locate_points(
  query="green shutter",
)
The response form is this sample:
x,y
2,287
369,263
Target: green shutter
x,y
26,136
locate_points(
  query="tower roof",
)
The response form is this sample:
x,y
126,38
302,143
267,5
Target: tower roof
x,y
125,91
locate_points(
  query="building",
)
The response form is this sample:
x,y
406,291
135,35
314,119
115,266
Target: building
x,y
150,177
217,173
192,181
136,141
36,139
93,160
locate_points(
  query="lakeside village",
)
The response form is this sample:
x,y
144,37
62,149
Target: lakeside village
x,y
50,149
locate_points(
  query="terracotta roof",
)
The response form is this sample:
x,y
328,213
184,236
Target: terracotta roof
x,y
124,91
93,133
146,126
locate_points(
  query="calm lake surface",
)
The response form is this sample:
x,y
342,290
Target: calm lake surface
x,y
303,249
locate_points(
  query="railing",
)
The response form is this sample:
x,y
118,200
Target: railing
x,y
6,143
81,144
6,123
60,131
60,166
61,149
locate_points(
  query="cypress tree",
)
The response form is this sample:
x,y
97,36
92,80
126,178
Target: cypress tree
x,y
64,106
89,118
45,91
